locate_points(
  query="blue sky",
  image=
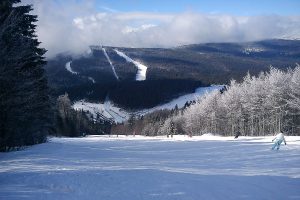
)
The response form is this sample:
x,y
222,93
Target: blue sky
x,y
233,7
73,25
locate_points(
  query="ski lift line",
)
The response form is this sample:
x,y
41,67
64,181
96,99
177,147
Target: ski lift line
x,y
111,64
117,113
105,118
109,114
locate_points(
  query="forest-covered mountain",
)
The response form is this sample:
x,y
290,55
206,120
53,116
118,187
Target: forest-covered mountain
x,y
170,71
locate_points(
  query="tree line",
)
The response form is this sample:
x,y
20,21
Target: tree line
x,y
76,123
25,106
259,105
132,95
28,110
262,105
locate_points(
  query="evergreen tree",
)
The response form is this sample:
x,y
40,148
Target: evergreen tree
x,y
26,116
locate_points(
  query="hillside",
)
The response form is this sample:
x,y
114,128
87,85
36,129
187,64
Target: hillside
x,y
109,112
167,73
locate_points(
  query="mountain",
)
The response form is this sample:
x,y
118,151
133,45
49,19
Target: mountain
x,y
139,78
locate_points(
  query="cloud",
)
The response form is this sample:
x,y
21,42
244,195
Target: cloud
x,y
108,9
129,29
74,25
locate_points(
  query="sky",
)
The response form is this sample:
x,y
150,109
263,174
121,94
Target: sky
x,y
233,7
73,25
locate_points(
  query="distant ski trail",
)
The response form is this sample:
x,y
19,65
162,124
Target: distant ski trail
x,y
68,67
112,66
91,79
107,110
142,69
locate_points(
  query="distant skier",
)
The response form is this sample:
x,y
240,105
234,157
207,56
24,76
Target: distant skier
x,y
279,138
237,134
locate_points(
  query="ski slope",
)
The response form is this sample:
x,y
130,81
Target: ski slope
x,y
111,64
143,168
106,111
181,100
142,69
68,67
113,113
92,80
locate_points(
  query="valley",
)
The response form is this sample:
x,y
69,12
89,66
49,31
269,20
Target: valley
x,y
138,79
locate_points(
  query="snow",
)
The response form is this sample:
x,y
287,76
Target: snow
x,y
68,67
91,79
119,115
106,111
138,168
249,50
180,101
142,69
112,66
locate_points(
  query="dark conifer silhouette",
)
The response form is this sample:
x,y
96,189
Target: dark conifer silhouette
x,y
26,116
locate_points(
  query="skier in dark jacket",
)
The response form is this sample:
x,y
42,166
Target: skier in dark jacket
x,y
237,134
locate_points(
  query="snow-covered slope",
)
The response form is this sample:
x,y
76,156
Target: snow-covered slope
x,y
180,101
109,111
250,50
144,168
91,79
106,111
68,67
111,64
142,69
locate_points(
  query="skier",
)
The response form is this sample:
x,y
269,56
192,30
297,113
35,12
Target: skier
x,y
237,134
279,138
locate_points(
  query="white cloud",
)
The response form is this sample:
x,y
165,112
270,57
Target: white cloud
x,y
129,29
108,9
73,26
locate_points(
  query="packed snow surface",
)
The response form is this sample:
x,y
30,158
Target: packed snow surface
x,y
142,69
111,64
144,168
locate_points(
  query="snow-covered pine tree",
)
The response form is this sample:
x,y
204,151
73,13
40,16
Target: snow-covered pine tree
x,y
259,105
26,116
295,90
